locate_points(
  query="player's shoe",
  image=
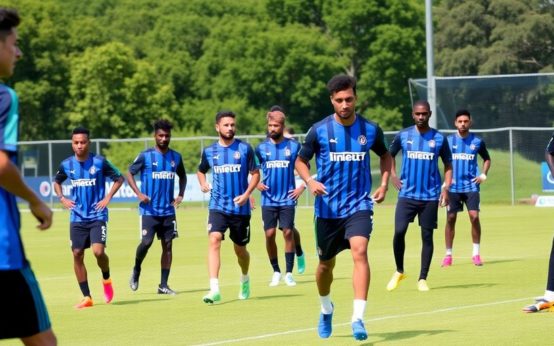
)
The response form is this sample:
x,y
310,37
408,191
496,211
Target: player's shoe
x,y
166,290
358,330
134,280
212,297
289,280
477,260
447,261
301,264
422,285
244,292
108,290
275,279
86,302
395,280
325,325
541,304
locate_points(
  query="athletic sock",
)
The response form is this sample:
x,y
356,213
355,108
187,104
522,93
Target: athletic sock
x,y
475,249
84,288
549,295
214,285
449,252
106,275
165,277
275,264
326,305
359,310
289,259
298,249
244,278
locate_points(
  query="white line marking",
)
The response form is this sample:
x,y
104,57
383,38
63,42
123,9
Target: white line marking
x,y
382,318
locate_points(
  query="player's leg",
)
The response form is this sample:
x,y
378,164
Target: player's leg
x,y
286,222
217,224
148,225
46,338
473,201
98,238
428,221
166,231
239,232
80,240
455,205
547,301
269,218
404,214
300,258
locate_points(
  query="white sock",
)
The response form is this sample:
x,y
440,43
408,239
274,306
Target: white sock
x,y
359,310
244,278
549,295
214,284
475,249
449,252
326,305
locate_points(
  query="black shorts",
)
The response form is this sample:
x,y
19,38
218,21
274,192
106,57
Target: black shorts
x,y
333,234
285,216
407,209
164,227
239,226
23,311
456,201
83,234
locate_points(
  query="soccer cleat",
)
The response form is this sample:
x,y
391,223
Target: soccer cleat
x,y
447,261
211,297
301,264
358,330
275,279
395,280
541,304
134,281
166,290
289,280
325,326
244,292
108,290
422,285
86,302
477,260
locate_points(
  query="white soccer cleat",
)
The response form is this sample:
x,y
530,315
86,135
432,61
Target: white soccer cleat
x,y
289,280
275,279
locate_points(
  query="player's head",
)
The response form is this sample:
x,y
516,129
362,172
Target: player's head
x,y
275,122
289,132
462,121
421,112
9,50
162,134
80,141
225,124
342,91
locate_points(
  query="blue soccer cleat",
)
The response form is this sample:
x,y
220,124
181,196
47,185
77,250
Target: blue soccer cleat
x,y
358,330
325,326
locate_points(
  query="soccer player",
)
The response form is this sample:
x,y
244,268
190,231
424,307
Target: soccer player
x,y
276,156
158,167
343,202
547,300
231,160
23,311
466,180
89,214
420,188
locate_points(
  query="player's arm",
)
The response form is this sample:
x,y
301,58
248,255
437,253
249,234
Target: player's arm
x,y
394,148
385,164
259,160
302,166
11,181
136,167
60,177
182,174
254,170
549,155
203,168
446,156
117,178
484,153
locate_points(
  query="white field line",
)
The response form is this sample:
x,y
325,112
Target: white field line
x,y
382,318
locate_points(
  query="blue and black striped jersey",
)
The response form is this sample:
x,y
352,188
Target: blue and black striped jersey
x,y
420,176
464,161
88,185
230,168
157,176
277,165
343,164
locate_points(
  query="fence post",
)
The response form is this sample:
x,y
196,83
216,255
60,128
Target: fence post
x,y
50,174
512,166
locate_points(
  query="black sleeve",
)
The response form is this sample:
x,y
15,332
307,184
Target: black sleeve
x,y
379,147
445,153
111,171
396,145
483,151
204,165
252,162
137,165
550,146
61,176
310,145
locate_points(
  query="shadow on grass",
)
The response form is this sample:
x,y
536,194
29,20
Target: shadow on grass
x,y
136,301
396,336
256,298
478,285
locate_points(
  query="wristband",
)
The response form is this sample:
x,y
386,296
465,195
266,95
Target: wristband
x,y
309,179
483,176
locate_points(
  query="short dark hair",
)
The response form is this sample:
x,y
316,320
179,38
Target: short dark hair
x,y
461,112
9,19
341,82
277,108
422,103
223,114
80,130
163,124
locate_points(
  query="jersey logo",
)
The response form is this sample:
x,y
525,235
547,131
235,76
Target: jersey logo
x,y
155,164
410,142
287,152
216,157
333,140
454,147
92,170
72,171
472,147
236,155
362,140
172,163
268,153
431,143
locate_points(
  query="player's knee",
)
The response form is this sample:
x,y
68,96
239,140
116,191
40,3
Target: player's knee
x,y
146,243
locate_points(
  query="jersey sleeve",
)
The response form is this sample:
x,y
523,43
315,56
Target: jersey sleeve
x,y
204,165
258,155
310,145
111,171
379,147
137,165
550,145
445,153
60,176
180,170
252,162
483,152
395,146
8,124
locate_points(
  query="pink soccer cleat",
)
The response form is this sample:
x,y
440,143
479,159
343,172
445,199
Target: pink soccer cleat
x,y
447,261
108,290
477,260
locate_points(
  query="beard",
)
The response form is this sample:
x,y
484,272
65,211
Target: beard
x,y
229,135
275,135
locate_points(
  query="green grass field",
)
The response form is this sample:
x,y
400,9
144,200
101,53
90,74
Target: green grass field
x,y
466,304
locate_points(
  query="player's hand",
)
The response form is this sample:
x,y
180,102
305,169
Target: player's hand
x,y
443,199
252,203
67,203
480,179
143,198
396,182
102,204
42,213
177,201
317,188
295,193
205,187
262,187
241,199
379,194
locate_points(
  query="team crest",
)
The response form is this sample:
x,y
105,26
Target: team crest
x,y
209,228
144,232
431,143
92,170
362,140
172,163
287,152
236,155
472,147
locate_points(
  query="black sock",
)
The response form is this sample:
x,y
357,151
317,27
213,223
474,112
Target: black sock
x,y
289,259
427,248
84,288
275,264
165,276
106,275
299,251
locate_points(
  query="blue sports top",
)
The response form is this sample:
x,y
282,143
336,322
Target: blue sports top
x,y
464,161
88,185
230,168
343,164
420,176
277,165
